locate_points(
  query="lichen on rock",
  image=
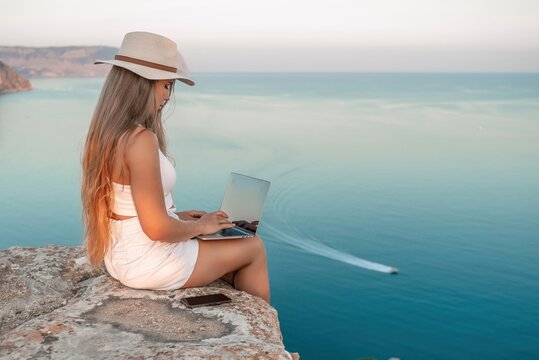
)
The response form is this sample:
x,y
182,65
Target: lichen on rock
x,y
52,306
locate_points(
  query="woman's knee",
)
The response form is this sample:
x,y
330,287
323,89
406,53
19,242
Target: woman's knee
x,y
258,249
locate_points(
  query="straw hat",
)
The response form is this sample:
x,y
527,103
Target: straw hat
x,y
151,56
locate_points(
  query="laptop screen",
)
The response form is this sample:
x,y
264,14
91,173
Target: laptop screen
x,y
244,200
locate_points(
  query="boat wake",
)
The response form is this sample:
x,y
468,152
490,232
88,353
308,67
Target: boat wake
x,y
328,252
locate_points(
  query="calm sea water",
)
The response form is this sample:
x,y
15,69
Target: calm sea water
x,y
436,174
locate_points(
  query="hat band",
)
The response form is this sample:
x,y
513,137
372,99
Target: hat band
x,y
145,63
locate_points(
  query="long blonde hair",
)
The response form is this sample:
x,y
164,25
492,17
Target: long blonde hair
x,y
126,101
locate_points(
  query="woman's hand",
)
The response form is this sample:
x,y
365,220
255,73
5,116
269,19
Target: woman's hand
x,y
214,222
190,215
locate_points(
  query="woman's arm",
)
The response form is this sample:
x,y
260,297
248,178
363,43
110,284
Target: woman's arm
x,y
142,158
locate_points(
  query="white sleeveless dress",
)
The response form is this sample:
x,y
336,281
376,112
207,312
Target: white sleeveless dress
x,y
136,260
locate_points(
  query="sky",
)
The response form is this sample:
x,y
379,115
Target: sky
x,y
288,35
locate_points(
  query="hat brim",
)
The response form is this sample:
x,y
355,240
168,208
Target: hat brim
x,y
147,72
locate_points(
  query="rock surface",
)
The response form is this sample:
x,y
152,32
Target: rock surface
x,y
53,305
65,61
11,80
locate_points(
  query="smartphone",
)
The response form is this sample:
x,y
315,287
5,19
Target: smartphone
x,y
203,300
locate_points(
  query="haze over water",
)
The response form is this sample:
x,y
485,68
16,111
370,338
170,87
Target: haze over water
x,y
435,174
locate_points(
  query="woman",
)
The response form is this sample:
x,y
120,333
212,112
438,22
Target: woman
x,y
129,215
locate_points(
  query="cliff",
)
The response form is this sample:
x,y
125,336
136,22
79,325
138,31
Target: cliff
x,y
11,80
67,61
53,305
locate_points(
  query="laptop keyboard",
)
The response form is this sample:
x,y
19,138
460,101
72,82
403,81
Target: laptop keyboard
x,y
233,232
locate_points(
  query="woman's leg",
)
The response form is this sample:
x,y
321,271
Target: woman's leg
x,y
229,278
246,257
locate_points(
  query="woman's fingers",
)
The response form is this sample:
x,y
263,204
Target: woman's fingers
x,y
215,221
221,213
223,221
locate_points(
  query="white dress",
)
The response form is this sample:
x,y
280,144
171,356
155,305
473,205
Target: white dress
x,y
136,260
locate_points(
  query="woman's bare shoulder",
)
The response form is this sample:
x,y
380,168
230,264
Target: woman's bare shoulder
x,y
143,138
141,143
133,148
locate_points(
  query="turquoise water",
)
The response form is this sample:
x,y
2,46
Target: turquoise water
x,y
435,174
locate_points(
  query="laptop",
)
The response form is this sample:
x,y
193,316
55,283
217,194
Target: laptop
x,y
243,202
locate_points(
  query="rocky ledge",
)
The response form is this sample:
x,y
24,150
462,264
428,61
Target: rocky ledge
x,y
11,80
54,305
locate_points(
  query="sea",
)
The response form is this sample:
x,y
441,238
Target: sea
x,y
434,174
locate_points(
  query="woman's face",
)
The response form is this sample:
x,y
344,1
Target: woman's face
x,y
162,91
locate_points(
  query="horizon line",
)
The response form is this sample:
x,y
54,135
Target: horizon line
x,y
344,72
